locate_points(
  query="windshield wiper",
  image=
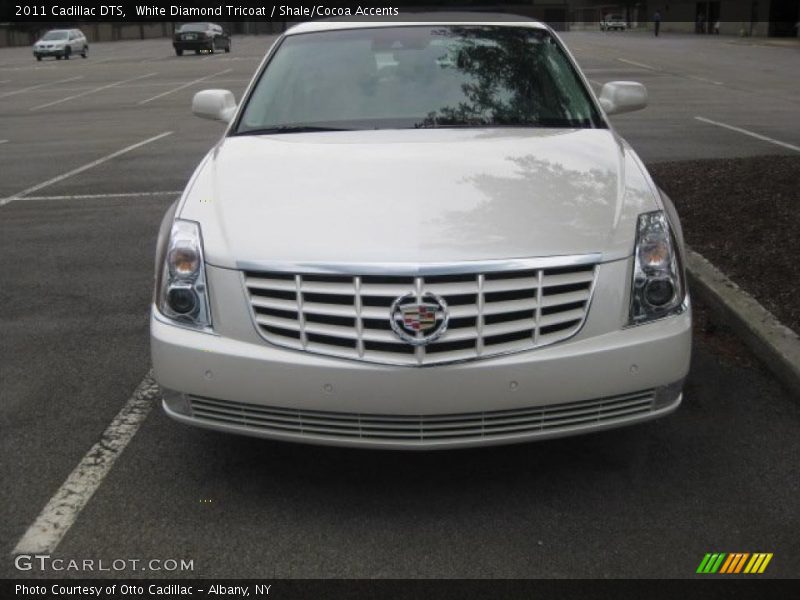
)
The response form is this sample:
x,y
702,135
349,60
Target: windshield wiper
x,y
290,129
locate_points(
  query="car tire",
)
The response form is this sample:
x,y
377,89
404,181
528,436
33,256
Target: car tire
x,y
85,52
38,57
58,57
178,51
67,52
228,48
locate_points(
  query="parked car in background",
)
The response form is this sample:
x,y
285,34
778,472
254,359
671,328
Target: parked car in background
x,y
61,43
421,235
613,22
201,37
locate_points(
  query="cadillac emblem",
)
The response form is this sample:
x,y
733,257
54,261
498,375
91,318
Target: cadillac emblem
x,y
419,320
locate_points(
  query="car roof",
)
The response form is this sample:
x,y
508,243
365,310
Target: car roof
x,y
424,18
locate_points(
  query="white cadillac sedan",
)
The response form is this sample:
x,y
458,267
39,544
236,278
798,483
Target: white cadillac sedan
x,y
420,235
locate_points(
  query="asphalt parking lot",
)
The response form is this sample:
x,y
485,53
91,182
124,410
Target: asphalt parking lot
x,y
93,152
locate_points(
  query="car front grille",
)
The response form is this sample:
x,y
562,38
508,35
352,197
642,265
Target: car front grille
x,y
423,428
490,313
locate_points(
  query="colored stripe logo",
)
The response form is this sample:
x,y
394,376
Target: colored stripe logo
x,y
734,563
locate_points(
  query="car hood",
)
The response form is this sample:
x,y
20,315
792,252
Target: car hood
x,y
418,196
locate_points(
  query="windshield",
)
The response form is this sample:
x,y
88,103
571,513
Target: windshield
x,y
419,76
193,27
55,35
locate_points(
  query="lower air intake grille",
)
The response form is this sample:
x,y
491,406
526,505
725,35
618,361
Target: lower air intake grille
x,y
466,426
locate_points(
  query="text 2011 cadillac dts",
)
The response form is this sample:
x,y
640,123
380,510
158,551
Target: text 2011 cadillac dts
x,y
420,235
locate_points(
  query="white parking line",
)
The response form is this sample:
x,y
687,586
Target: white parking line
x,y
705,80
27,68
92,91
63,509
185,85
753,134
638,64
35,87
611,70
85,167
115,195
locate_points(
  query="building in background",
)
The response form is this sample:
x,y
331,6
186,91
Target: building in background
x,y
777,18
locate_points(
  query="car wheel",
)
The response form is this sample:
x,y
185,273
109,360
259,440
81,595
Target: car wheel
x,y
67,52
178,51
58,57
228,47
38,57
85,52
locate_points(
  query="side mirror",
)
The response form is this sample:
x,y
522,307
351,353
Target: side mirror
x,y
217,105
622,96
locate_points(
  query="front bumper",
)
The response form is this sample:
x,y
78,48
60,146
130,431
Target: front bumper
x,y
50,52
586,384
191,44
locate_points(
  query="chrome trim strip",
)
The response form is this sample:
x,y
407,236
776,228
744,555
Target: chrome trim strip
x,y
359,316
540,293
301,317
420,269
419,350
479,319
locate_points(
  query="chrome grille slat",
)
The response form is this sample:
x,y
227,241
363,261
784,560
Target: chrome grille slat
x,y
567,278
479,425
538,317
272,321
567,298
333,310
509,306
491,313
274,303
462,333
575,314
510,285
359,317
301,319
510,347
509,327
263,283
479,323
463,310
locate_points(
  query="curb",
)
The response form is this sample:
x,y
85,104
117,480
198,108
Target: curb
x,y
777,345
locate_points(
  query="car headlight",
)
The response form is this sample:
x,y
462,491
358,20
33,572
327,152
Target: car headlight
x,y
183,293
658,287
